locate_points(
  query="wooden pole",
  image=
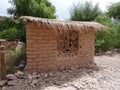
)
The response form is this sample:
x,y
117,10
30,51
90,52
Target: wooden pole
x,y
3,63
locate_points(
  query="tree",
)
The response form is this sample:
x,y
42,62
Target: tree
x,y
37,8
111,38
114,11
12,29
103,19
7,23
84,12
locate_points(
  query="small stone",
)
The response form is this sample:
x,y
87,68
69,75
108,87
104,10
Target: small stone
x,y
34,82
12,83
115,49
21,65
3,82
4,88
24,77
45,75
19,74
61,68
65,85
38,75
51,74
73,68
35,73
108,53
33,76
11,77
30,77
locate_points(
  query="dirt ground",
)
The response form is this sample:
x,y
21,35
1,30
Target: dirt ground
x,y
105,75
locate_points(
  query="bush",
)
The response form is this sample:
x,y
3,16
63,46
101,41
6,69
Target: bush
x,y
103,41
108,40
13,33
116,39
7,23
12,29
13,58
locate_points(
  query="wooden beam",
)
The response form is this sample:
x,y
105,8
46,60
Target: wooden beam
x,y
3,63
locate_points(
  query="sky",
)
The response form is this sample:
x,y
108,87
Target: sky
x,y
62,6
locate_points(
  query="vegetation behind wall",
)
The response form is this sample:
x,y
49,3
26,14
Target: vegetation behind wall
x,y
12,29
105,40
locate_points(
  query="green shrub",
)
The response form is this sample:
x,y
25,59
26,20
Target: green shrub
x,y
7,23
103,41
13,33
12,29
110,39
117,35
107,40
13,58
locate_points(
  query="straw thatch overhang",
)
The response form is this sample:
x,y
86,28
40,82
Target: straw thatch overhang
x,y
64,25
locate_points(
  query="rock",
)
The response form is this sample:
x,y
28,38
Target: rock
x,y
51,74
21,65
38,76
33,76
11,77
99,54
4,88
73,68
61,68
20,45
12,83
108,53
25,77
65,85
115,49
34,73
30,77
3,82
45,75
19,74
34,82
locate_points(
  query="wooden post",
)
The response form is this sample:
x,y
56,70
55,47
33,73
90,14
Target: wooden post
x,y
3,63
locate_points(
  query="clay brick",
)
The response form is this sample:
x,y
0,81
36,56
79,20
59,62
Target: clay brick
x,y
31,56
42,49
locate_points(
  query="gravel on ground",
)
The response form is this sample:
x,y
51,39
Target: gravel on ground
x,y
104,75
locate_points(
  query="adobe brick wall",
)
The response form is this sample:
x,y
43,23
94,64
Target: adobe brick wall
x,y
42,49
9,44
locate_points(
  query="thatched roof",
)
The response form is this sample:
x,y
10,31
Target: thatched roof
x,y
75,25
